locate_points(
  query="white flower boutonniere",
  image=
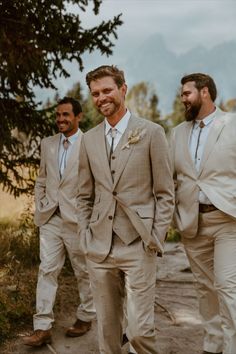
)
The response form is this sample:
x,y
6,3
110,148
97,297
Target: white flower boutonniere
x,y
134,137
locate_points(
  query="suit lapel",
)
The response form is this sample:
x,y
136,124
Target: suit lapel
x,y
124,153
213,136
54,152
74,156
188,158
103,151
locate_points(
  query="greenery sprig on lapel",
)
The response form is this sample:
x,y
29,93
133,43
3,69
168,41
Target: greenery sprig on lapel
x,y
134,137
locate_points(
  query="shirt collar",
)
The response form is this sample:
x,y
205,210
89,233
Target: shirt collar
x,y
207,120
71,138
121,125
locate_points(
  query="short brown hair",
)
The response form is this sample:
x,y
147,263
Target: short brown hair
x,y
106,70
202,80
76,106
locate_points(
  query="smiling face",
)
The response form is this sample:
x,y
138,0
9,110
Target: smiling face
x,y
192,100
108,98
66,120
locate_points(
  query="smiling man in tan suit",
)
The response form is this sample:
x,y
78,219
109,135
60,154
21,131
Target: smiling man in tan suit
x,y
204,164
55,213
125,206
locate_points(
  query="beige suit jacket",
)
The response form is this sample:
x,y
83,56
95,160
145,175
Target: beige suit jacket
x,y
50,190
137,203
216,176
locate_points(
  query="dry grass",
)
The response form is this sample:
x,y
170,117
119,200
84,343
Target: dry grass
x,y
19,259
11,207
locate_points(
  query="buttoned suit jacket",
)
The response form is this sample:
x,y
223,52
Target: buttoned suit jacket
x,y
216,176
53,191
136,202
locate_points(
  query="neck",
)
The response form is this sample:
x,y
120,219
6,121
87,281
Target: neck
x,y
113,120
67,135
204,112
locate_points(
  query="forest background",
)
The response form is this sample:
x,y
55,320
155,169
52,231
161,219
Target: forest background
x,y
44,49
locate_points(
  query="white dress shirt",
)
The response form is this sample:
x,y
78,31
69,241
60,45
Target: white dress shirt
x,y
208,121
120,129
72,139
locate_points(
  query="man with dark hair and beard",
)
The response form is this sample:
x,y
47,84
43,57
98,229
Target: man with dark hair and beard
x,y
204,166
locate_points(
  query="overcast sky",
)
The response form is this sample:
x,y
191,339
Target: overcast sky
x,y
183,24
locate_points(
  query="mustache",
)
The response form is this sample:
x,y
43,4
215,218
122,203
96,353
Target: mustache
x,y
62,121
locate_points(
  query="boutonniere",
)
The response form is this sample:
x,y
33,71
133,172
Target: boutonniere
x,y
134,137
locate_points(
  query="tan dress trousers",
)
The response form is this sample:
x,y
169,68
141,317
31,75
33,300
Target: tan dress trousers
x,y
212,255
127,270
57,237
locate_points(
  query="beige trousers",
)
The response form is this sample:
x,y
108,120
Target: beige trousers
x,y
212,255
127,270
55,239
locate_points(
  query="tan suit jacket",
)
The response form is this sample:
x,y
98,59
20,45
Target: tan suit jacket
x,y
51,191
216,176
136,202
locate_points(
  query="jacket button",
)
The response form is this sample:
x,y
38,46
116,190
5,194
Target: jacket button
x,y
114,193
110,217
113,171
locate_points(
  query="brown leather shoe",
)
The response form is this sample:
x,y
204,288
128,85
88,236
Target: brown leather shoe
x,y
79,328
38,338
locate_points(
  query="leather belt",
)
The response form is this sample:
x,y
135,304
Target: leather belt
x,y
206,208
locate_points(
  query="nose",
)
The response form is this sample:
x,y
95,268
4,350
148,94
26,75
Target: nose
x,y
101,98
183,98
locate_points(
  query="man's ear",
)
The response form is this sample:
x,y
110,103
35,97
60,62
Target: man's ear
x,y
80,116
124,89
205,92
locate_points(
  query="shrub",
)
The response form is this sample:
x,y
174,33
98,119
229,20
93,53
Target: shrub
x,y
19,251
173,235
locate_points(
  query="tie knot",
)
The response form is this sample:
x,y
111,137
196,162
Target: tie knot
x,y
66,144
113,132
201,124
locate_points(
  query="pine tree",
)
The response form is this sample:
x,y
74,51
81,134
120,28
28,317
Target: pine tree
x,y
36,39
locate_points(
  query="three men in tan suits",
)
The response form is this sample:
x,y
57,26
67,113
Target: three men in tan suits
x,y
204,164
125,206
56,190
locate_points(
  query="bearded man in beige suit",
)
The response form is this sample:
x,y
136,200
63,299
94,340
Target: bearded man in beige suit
x,y
55,213
125,207
204,164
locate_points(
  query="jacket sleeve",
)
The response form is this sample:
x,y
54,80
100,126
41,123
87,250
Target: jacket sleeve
x,y
163,184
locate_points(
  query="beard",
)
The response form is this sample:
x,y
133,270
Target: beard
x,y
192,110
111,109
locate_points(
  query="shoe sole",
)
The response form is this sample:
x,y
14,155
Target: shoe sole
x,y
48,341
74,335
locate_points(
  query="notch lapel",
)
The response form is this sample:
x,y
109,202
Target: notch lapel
x,y
74,156
103,152
54,152
186,138
124,153
213,136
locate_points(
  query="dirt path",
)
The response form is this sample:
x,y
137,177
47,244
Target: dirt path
x,y
177,320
